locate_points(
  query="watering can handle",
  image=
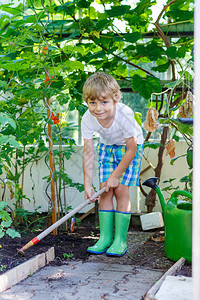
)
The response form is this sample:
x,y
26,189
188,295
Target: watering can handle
x,y
181,193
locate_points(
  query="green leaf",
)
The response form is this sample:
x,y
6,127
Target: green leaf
x,y
181,52
138,72
101,24
15,65
172,52
13,233
68,8
9,174
162,68
12,10
30,19
152,145
174,159
180,14
83,3
118,38
138,118
26,112
121,70
3,139
171,84
6,119
12,141
2,233
3,83
74,34
99,54
117,11
184,179
181,4
188,76
132,37
3,204
183,128
4,215
6,223
146,86
153,51
74,65
143,5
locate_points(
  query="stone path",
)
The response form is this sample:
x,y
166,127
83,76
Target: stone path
x,y
83,281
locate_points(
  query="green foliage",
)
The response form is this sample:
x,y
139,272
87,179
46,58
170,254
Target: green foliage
x,y
190,158
68,255
170,188
132,37
152,145
4,119
117,11
138,118
2,268
183,128
6,222
68,41
146,86
188,181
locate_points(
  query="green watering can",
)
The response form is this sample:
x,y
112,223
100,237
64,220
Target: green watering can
x,y
177,216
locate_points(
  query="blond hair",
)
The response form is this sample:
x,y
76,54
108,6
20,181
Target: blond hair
x,y
101,83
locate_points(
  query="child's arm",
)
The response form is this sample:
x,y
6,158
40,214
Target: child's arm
x,y
131,144
88,164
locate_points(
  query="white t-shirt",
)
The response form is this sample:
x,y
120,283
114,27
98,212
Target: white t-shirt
x,y
124,126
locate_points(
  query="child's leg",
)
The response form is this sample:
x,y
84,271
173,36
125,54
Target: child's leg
x,y
122,220
123,213
106,199
121,193
106,222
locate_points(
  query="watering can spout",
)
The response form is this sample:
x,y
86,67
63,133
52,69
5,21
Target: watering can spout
x,y
152,182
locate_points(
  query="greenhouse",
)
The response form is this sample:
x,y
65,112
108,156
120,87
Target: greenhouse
x,y
98,177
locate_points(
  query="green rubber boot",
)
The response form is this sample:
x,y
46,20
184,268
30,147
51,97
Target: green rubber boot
x,y
119,246
106,222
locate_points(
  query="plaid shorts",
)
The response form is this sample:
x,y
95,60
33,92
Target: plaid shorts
x,y
109,158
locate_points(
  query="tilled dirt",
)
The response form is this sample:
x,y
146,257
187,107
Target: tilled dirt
x,y
145,249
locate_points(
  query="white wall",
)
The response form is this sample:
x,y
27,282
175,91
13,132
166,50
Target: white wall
x,y
74,169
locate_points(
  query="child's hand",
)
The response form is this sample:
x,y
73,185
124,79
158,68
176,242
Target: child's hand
x,y
89,191
111,183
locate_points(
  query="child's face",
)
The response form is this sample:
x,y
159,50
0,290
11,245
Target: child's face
x,y
103,108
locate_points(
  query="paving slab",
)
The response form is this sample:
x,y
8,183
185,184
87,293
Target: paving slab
x,y
85,280
175,288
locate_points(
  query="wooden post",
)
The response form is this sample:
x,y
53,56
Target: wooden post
x,y
52,169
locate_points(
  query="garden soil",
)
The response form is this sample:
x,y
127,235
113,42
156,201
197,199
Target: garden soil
x,y
145,249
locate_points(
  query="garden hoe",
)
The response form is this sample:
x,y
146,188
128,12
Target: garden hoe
x,y
59,222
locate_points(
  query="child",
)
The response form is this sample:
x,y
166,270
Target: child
x,y
119,157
